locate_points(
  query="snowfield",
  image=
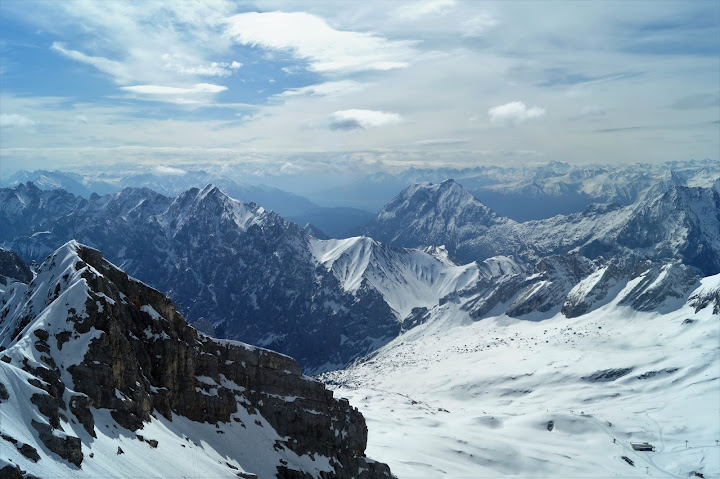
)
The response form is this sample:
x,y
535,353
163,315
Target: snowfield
x,y
555,398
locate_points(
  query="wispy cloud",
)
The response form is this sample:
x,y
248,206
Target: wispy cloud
x,y
14,120
441,142
115,69
362,119
622,129
479,25
697,101
219,69
309,37
514,113
170,90
197,94
327,88
417,9
163,170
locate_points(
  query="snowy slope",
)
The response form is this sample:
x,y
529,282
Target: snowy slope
x,y
556,398
100,377
406,279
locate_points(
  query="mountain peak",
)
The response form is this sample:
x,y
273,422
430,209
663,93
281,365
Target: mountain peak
x,y
432,214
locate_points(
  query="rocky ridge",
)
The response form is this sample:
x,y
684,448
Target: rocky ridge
x,y
83,338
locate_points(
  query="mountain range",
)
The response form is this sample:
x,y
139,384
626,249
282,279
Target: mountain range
x,y
681,222
447,323
242,272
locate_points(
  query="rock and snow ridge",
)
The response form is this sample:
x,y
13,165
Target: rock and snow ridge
x,y
100,376
681,223
239,271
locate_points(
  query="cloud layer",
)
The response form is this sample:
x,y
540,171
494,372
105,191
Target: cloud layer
x,y
514,113
393,83
362,119
311,38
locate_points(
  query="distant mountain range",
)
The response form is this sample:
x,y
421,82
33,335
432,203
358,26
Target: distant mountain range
x,y
680,223
239,271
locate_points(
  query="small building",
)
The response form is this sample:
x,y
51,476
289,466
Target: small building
x,y
643,446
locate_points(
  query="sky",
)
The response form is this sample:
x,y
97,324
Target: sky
x,y
289,86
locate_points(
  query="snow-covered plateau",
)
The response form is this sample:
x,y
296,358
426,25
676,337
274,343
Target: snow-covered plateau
x,y
562,397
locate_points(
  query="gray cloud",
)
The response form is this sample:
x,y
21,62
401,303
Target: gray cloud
x,y
697,101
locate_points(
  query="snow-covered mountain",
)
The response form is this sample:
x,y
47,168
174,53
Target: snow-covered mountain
x,y
636,361
282,202
101,377
533,193
681,223
241,272
438,214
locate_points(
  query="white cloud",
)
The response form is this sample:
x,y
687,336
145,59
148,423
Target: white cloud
x,y
81,118
590,111
13,120
362,119
311,38
415,10
220,69
195,95
115,69
171,90
442,141
327,88
513,113
163,170
479,25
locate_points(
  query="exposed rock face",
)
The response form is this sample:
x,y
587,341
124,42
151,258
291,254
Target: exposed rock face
x,y
12,269
438,214
244,271
679,223
138,357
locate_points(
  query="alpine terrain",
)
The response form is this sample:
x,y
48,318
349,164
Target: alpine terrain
x,y
100,376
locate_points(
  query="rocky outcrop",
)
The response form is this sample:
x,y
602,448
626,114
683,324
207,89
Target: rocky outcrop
x,y
12,269
141,359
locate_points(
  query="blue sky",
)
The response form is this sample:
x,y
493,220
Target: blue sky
x,y
291,86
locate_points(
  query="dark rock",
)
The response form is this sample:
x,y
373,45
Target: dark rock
x,y
8,438
61,338
30,452
11,266
9,472
120,451
607,375
48,407
67,447
4,395
80,407
41,334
